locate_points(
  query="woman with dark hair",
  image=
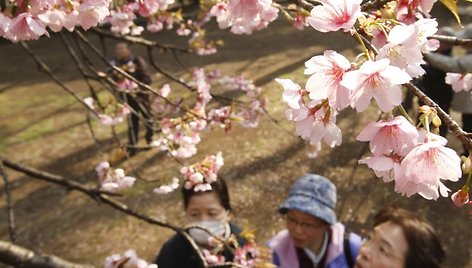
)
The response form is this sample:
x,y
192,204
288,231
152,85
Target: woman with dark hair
x,y
400,239
210,209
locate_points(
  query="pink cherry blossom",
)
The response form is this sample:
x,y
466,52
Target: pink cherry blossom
x,y
129,259
326,74
407,10
167,188
459,82
402,49
113,180
395,135
4,24
92,12
25,27
244,16
378,80
425,165
460,198
200,175
299,22
315,124
386,167
292,92
54,19
335,15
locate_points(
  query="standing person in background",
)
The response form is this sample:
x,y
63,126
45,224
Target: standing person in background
x,y
313,238
462,101
400,239
130,94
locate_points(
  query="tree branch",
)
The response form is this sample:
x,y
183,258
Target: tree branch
x,y
10,213
451,40
21,257
463,136
139,40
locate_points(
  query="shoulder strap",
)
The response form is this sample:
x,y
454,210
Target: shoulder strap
x,y
348,253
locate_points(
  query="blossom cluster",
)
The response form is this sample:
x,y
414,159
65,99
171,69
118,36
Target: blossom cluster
x,y
129,259
244,16
459,82
416,160
180,135
200,175
112,114
113,180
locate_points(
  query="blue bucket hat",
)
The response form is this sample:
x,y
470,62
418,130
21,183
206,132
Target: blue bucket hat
x,y
312,194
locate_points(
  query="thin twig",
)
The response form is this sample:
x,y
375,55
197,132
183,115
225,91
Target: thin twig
x,y
451,40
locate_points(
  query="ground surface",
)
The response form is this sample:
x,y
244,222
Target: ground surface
x,y
42,126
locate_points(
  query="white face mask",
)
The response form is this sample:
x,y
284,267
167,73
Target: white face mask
x,y
217,228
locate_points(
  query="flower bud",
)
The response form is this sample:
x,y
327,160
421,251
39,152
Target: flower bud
x,y
461,197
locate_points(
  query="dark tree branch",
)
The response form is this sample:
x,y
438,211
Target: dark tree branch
x,y
10,213
56,79
103,197
451,40
452,125
17,256
138,40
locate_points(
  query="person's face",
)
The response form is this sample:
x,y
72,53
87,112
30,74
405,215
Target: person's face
x,y
385,248
304,229
205,207
122,51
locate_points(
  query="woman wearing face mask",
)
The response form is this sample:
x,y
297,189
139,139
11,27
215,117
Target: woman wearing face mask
x,y
399,239
209,209
313,238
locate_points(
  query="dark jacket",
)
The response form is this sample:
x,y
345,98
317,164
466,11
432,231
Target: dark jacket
x,y
135,66
178,253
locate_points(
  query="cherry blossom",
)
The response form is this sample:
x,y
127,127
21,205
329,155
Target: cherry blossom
x,y
335,15
459,82
129,259
461,197
244,16
25,27
316,123
378,80
395,135
113,180
386,167
292,92
167,188
200,175
407,9
92,12
326,74
402,49
113,114
425,165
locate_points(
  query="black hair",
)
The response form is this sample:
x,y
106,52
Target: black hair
x,y
424,248
218,187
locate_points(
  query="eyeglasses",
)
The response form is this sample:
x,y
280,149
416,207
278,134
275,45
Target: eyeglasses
x,y
305,226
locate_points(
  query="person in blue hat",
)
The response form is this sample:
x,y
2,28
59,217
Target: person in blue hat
x,y
313,238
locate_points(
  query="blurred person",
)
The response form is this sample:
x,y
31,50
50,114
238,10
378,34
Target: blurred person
x,y
399,239
209,209
462,101
138,101
313,237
